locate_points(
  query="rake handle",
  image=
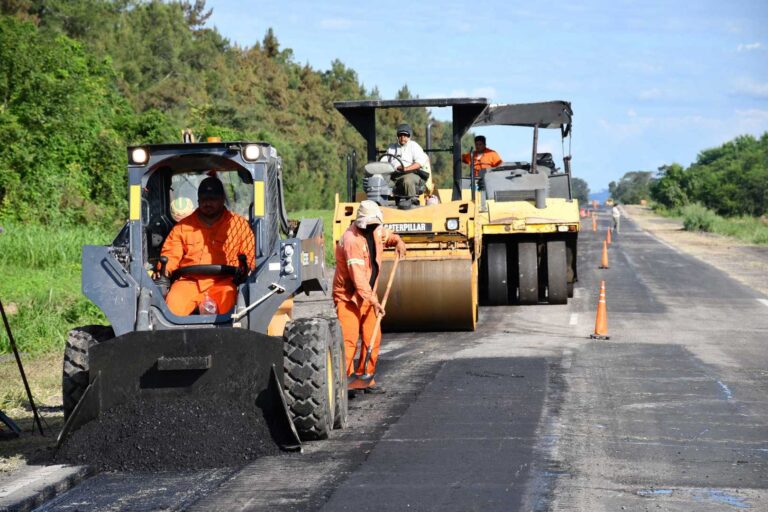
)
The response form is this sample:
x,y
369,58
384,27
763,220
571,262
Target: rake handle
x,y
378,318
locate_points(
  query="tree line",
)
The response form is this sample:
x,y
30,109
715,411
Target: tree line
x,y
731,180
82,79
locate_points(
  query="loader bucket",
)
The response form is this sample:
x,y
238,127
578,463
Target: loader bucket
x,y
224,363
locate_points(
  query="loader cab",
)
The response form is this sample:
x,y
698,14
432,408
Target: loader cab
x,y
170,194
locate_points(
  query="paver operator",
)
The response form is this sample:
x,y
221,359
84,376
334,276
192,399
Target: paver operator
x,y
358,260
211,235
415,167
485,157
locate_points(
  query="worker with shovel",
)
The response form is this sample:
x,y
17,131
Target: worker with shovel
x,y
358,261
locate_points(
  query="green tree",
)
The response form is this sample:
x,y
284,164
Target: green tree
x,y
633,187
580,190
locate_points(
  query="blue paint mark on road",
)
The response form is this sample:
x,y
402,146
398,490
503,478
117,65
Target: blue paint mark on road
x,y
655,492
726,390
721,497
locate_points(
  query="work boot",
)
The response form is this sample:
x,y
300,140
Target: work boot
x,y
374,390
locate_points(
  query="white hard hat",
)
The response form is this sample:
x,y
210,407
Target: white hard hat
x,y
369,213
181,207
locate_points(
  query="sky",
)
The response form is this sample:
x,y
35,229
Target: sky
x,y
650,82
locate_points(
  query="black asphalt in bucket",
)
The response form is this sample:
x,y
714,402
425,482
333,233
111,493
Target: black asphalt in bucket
x,y
177,434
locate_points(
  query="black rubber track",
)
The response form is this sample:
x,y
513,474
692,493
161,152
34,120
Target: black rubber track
x,y
497,282
306,348
528,272
557,273
74,379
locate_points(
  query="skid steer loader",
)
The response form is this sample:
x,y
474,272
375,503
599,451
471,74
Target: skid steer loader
x,y
293,370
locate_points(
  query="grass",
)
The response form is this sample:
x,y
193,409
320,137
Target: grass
x,y
696,217
40,284
44,376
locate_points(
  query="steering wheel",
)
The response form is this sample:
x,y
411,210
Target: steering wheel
x,y
390,156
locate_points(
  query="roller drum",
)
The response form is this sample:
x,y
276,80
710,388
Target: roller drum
x,y
431,294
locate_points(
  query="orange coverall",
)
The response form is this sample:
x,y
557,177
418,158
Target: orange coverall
x,y
353,295
192,242
485,160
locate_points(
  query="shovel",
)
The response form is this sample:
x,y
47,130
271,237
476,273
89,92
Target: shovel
x,y
372,340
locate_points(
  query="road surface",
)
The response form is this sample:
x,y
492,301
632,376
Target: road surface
x,y
528,413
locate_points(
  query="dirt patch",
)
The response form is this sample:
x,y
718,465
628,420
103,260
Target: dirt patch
x,y
186,433
744,262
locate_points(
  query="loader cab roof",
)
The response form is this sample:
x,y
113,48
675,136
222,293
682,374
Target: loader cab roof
x,y
362,115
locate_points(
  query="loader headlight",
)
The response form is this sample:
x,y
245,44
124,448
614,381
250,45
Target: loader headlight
x,y
251,152
139,156
452,224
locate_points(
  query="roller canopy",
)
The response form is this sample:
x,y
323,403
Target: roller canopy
x,y
548,114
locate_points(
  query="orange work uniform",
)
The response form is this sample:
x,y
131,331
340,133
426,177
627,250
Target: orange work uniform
x,y
485,160
353,292
192,242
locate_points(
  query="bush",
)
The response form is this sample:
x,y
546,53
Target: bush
x,y
697,217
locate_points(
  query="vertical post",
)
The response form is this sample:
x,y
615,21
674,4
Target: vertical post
x,y
535,148
21,368
472,172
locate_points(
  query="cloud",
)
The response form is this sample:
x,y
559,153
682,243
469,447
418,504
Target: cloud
x,y
336,23
750,88
651,94
750,47
631,113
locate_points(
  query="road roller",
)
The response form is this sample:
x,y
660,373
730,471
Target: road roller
x,y
528,220
436,286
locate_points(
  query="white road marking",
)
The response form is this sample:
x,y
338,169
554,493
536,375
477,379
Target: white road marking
x,y
574,319
567,359
577,293
29,479
662,242
764,302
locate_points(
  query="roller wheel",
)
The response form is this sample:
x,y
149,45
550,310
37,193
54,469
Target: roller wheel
x,y
497,286
340,413
308,364
570,290
75,374
557,273
528,268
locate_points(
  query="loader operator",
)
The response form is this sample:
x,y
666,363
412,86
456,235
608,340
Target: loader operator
x,y
211,235
412,168
358,260
485,157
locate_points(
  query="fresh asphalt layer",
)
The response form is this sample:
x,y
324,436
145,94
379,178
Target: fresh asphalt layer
x,y
528,413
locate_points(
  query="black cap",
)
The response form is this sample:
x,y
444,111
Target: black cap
x,y
210,187
404,128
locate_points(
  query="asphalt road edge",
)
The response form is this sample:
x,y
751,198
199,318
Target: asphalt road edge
x,y
43,483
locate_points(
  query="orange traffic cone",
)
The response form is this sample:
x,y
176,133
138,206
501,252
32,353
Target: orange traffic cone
x,y
608,236
601,321
604,259
594,223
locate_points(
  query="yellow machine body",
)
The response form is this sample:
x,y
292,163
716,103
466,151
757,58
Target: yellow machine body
x,y
435,288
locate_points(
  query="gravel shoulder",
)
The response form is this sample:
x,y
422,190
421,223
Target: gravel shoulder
x,y
744,262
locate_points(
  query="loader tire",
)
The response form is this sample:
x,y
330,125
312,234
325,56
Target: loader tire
x,y
309,377
340,414
75,374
